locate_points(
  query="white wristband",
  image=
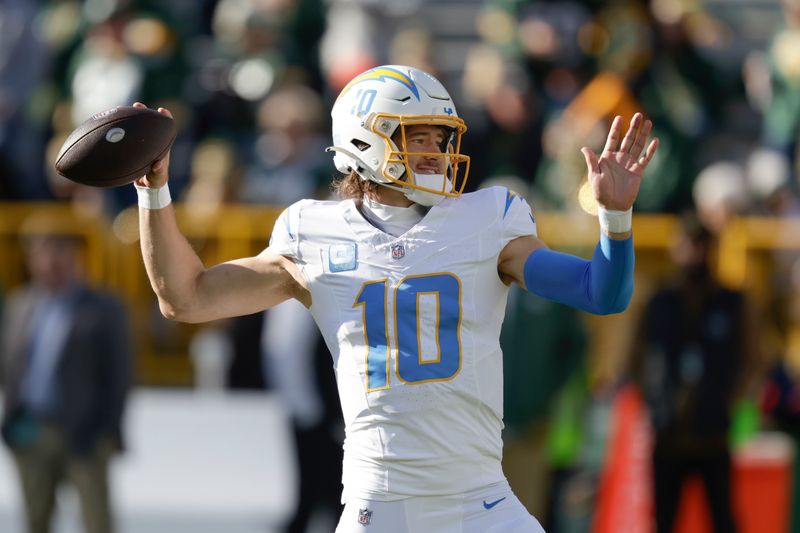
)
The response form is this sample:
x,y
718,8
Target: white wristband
x,y
615,221
153,198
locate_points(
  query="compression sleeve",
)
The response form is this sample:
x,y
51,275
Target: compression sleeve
x,y
602,286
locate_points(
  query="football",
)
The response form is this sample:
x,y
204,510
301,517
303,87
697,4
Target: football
x,y
116,146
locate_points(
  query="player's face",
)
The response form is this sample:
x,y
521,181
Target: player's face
x,y
425,139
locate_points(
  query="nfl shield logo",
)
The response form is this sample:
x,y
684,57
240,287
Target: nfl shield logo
x,y
398,251
364,516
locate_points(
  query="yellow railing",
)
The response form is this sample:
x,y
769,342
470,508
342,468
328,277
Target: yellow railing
x,y
112,260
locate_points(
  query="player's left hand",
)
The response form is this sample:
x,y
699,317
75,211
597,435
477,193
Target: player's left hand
x,y
616,174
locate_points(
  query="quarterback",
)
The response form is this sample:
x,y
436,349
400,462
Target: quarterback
x,y
407,279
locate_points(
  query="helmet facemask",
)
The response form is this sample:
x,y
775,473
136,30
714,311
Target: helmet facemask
x,y
424,189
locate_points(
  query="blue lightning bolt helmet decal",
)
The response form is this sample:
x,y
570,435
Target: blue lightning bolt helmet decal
x,y
382,74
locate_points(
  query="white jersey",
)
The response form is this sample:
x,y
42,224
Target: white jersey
x,y
413,324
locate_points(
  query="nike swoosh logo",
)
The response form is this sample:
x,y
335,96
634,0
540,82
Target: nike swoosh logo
x,y
492,504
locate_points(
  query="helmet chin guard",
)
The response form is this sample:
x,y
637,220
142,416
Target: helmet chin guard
x,y
426,182
370,119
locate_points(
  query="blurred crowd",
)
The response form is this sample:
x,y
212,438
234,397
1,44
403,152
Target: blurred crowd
x,y
251,83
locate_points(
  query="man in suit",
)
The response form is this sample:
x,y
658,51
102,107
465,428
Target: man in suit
x,y
66,353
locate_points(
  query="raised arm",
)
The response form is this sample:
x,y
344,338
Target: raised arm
x,y
186,289
603,285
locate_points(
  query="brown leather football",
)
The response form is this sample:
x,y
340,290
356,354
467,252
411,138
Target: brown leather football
x,y
116,146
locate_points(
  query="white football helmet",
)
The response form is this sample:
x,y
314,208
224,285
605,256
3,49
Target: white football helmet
x,y
374,110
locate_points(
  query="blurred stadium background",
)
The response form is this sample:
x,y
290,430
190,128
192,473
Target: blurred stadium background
x,y
250,83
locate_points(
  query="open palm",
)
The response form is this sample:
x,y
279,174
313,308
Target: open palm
x,y
615,175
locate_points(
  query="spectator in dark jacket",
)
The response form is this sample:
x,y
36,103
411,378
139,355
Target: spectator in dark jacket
x,y
694,352
66,352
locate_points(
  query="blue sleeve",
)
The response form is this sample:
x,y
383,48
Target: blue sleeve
x,y
602,286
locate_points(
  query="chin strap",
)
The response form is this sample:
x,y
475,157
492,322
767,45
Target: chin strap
x,y
429,181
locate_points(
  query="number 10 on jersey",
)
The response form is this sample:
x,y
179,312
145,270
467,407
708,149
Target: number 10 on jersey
x,y
411,366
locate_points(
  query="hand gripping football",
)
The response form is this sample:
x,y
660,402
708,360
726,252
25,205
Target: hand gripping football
x,y
115,147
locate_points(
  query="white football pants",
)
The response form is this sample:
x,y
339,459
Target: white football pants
x,y
493,509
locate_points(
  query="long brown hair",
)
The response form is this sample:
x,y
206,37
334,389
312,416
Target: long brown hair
x,y
354,186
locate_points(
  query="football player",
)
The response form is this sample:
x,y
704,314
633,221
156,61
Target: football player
x,y
407,279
